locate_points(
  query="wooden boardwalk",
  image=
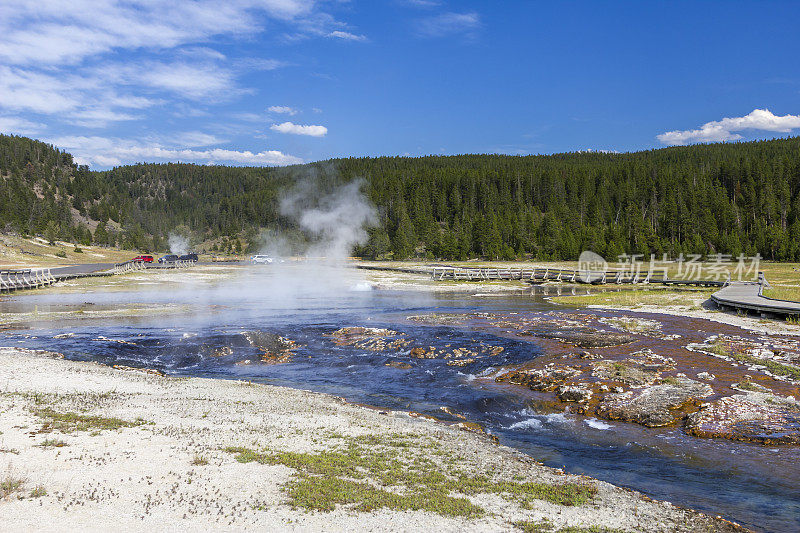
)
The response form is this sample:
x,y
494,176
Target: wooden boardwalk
x,y
538,275
35,278
747,297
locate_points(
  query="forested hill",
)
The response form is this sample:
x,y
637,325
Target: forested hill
x,y
719,198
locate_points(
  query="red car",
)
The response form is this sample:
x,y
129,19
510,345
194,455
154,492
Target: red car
x,y
143,259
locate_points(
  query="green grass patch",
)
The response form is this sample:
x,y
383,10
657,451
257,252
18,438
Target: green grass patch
x,y
639,297
38,492
10,485
528,526
70,422
53,443
392,472
783,293
779,369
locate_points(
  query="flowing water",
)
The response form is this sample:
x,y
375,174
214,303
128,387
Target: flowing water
x,y
751,484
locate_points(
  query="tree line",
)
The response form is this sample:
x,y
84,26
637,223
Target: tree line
x,y
729,198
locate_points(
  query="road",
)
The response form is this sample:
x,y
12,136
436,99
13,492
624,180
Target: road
x,y
80,269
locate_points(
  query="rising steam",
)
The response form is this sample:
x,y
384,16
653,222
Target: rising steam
x,y
178,244
333,221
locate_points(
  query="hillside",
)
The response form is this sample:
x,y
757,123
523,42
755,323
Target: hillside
x,y
720,198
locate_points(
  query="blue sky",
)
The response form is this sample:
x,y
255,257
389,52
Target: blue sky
x,y
271,82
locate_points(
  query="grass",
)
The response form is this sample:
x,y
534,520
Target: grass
x,y
69,422
38,492
369,473
779,369
783,293
10,485
639,297
528,526
199,460
53,443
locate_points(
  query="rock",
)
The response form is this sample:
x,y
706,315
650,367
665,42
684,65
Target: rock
x,y
653,406
707,376
399,364
584,337
357,331
574,393
450,412
460,362
754,417
472,427
276,349
152,371
548,378
626,371
421,352
222,352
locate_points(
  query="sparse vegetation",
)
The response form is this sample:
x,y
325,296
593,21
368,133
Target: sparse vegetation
x,y
545,526
9,485
374,472
779,369
69,421
691,299
199,460
38,492
53,443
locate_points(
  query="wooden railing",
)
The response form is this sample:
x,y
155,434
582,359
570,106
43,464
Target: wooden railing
x,y
543,274
29,278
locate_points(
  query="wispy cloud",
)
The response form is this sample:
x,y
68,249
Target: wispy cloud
x,y
282,110
106,152
19,125
298,129
725,129
52,33
97,62
449,24
347,36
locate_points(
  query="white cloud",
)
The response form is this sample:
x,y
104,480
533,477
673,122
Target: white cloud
x,y
106,152
347,36
448,24
17,125
724,130
282,109
193,139
49,32
298,129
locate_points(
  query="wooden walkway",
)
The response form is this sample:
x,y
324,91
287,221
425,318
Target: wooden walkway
x,y
35,278
538,275
747,297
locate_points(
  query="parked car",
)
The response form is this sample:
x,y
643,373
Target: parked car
x,y
261,260
191,256
143,259
169,258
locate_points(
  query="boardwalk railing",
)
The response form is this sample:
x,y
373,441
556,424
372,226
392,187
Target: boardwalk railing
x,y
543,274
128,266
30,278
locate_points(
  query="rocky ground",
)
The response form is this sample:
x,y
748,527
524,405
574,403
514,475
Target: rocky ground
x,y
628,369
100,448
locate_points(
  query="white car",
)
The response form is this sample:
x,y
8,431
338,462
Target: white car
x,y
261,260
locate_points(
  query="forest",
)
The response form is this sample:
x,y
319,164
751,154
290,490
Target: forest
x,y
728,198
